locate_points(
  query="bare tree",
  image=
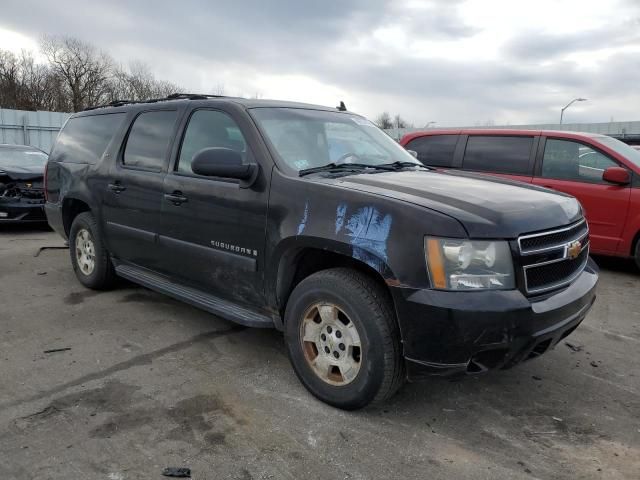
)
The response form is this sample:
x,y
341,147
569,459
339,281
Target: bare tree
x,y
138,83
399,122
76,76
218,89
85,70
9,80
384,121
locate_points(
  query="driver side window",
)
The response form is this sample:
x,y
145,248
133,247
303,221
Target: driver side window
x,y
567,160
207,129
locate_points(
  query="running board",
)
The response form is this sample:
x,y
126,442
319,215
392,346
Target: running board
x,y
197,298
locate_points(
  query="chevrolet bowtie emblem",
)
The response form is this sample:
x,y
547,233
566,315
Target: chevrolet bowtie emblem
x,y
574,249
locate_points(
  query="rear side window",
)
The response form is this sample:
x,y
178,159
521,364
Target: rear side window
x,y
498,154
149,139
434,150
84,139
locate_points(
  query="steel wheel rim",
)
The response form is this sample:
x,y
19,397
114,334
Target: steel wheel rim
x,y
85,252
331,344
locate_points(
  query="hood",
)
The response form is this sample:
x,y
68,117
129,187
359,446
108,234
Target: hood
x,y
486,206
17,172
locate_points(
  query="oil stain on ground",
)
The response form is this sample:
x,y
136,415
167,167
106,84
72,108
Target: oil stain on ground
x,y
201,419
75,298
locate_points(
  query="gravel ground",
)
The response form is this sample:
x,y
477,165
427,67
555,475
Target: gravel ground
x,y
146,382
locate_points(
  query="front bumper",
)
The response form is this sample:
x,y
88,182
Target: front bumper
x,y
21,211
449,333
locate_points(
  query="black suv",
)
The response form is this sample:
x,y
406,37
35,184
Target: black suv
x,y
313,221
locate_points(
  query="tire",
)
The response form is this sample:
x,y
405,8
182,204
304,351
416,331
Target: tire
x,y
94,270
637,254
358,375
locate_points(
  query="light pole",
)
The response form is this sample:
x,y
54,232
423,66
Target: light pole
x,y
568,105
429,124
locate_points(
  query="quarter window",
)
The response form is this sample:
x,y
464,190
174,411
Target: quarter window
x,y
567,160
498,154
149,140
434,150
208,129
84,139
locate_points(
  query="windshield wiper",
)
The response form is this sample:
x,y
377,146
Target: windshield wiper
x,y
398,165
334,166
389,167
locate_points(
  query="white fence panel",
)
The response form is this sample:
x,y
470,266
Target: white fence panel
x,y
38,129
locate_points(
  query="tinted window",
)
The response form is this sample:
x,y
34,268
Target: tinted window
x,y
84,139
567,160
498,154
149,139
206,129
435,150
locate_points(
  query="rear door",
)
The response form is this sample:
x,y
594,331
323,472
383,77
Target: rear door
x,y
214,229
576,168
507,156
132,203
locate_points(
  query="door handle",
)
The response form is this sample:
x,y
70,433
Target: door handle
x,y
176,198
117,187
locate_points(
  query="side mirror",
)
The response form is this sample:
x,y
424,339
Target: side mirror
x,y
222,162
413,153
617,175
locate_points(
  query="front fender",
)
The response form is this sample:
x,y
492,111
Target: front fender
x,y
382,232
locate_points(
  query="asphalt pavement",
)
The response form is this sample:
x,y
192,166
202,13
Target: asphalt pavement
x,y
121,384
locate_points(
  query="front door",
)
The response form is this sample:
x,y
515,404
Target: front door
x,y
133,201
576,168
214,229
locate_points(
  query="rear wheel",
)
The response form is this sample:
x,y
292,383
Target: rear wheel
x,y
637,255
343,340
90,259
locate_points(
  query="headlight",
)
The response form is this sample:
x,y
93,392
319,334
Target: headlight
x,y
456,264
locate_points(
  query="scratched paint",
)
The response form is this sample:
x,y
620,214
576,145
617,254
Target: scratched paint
x,y
369,232
340,213
305,218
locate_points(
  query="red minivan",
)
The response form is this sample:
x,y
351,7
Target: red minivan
x,y
601,172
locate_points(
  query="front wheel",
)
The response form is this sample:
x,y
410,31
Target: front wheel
x,y
343,340
637,255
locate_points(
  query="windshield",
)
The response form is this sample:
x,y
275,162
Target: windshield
x,y
622,148
18,157
307,139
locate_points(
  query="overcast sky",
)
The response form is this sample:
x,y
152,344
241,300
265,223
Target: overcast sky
x,y
449,61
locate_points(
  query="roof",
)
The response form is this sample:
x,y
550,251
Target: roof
x,y
496,131
181,99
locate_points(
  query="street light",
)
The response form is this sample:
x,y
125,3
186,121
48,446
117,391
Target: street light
x,y
569,104
429,124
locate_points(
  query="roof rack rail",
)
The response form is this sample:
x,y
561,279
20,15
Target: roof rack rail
x,y
191,96
173,96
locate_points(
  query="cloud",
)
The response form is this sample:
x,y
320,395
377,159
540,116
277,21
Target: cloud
x,y
454,62
536,45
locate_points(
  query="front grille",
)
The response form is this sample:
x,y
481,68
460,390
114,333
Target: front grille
x,y
555,274
553,259
542,241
